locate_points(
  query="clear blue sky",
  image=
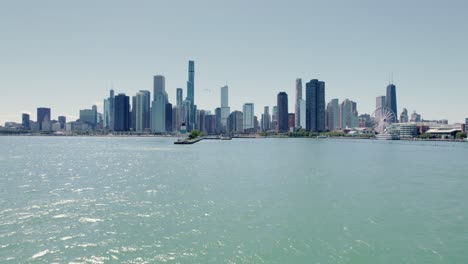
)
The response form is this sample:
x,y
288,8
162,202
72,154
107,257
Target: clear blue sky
x,y
66,54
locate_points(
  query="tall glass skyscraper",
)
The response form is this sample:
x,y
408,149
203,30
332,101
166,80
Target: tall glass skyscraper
x,y
248,111
225,110
43,114
282,102
315,106
179,96
142,114
298,102
333,115
121,112
391,100
191,95
158,117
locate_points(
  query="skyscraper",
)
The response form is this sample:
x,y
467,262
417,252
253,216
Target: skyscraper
x,y
391,100
142,114
62,121
348,114
315,106
266,119
380,102
235,122
133,114
43,115
158,117
291,121
404,117
191,94
25,121
282,102
248,111
179,96
112,109
333,115
225,110
298,103
168,117
121,112
89,116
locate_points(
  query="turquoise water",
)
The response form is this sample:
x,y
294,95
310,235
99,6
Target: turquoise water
x,y
145,200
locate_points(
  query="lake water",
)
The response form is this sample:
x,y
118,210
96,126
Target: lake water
x,y
145,200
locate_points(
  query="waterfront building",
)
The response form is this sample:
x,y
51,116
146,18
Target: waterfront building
x,y
282,103
235,122
89,116
404,116
408,130
291,121
298,112
315,106
169,117
466,125
210,124
348,114
333,115
158,115
25,121
218,120
191,95
56,127
266,119
142,113
179,98
200,123
112,109
302,111
391,100
133,114
106,114
274,119
62,120
248,111
43,114
121,112
225,110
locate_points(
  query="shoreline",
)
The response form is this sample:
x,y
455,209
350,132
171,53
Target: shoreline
x,y
252,136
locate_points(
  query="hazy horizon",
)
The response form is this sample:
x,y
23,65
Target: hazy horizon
x,y
67,56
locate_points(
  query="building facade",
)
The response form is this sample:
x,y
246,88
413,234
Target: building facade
x,y
298,112
282,103
158,112
333,115
248,111
121,112
391,100
315,106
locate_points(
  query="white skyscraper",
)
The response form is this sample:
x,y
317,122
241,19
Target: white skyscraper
x,y
248,111
225,110
158,117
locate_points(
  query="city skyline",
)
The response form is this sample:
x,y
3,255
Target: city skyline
x,y
66,72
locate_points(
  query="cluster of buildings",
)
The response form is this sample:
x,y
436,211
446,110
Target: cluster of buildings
x,y
151,112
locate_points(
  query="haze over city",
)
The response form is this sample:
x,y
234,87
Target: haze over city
x,y
67,56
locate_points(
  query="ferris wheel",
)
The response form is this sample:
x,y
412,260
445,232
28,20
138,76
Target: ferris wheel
x,y
382,118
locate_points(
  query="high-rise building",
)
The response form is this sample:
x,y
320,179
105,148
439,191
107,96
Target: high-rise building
x,y
248,111
158,115
25,121
466,125
142,111
191,95
391,100
43,114
404,116
210,124
274,118
282,103
62,121
112,109
225,110
333,115
89,117
180,97
235,122
168,117
380,102
266,119
349,117
218,120
291,121
298,103
133,114
315,106
121,112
